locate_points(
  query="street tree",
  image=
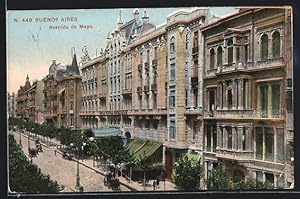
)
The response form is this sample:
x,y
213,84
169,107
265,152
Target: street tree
x,y
187,174
26,177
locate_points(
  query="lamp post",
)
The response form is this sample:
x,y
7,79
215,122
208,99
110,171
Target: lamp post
x,y
77,185
20,142
92,139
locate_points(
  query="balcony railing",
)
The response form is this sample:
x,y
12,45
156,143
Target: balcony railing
x,y
244,113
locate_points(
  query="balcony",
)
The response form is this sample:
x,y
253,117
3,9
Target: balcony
x,y
126,91
153,87
140,67
154,62
147,66
195,50
239,156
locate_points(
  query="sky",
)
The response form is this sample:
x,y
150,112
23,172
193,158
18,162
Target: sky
x,y
32,43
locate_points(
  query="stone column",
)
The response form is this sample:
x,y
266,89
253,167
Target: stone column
x,y
225,137
234,94
241,100
234,138
275,144
225,106
240,140
269,101
164,155
246,95
219,137
234,54
270,53
264,147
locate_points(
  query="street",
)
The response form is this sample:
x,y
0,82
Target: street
x,y
64,171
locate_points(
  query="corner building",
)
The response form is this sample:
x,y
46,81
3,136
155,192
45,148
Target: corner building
x,y
247,81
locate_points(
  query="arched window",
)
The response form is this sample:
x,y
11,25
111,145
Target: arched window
x,y
230,51
172,45
276,44
219,56
264,47
212,58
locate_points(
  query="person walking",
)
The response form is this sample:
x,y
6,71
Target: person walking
x,y
157,183
154,185
55,152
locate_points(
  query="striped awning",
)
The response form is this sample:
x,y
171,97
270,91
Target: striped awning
x,y
143,148
105,132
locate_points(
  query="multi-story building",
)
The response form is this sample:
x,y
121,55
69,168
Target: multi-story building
x,y
247,95
50,94
69,95
35,104
22,100
11,104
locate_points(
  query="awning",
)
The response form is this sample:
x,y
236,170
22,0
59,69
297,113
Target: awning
x,y
105,132
192,155
61,90
143,148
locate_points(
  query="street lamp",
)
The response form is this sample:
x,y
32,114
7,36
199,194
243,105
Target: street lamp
x,y
78,186
92,139
20,138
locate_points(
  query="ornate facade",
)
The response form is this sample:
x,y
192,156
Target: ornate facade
x,y
247,95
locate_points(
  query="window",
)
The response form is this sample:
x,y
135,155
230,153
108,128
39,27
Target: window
x,y
172,130
155,52
195,42
211,100
219,56
212,58
270,179
264,47
244,139
275,100
264,101
269,98
229,95
259,143
276,44
230,51
148,56
172,99
259,176
229,137
280,145
237,54
208,138
269,144
246,54
172,72
172,45
186,98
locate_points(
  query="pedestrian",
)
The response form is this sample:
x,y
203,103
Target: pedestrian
x,y
154,184
55,152
157,183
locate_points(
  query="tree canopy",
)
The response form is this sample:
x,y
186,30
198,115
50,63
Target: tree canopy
x,y
26,177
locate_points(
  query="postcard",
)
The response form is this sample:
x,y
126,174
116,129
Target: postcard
x,y
150,99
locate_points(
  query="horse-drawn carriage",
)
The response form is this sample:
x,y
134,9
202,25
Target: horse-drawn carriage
x,y
38,146
111,182
33,152
67,155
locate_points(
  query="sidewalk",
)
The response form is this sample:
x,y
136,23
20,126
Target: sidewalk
x,y
134,186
